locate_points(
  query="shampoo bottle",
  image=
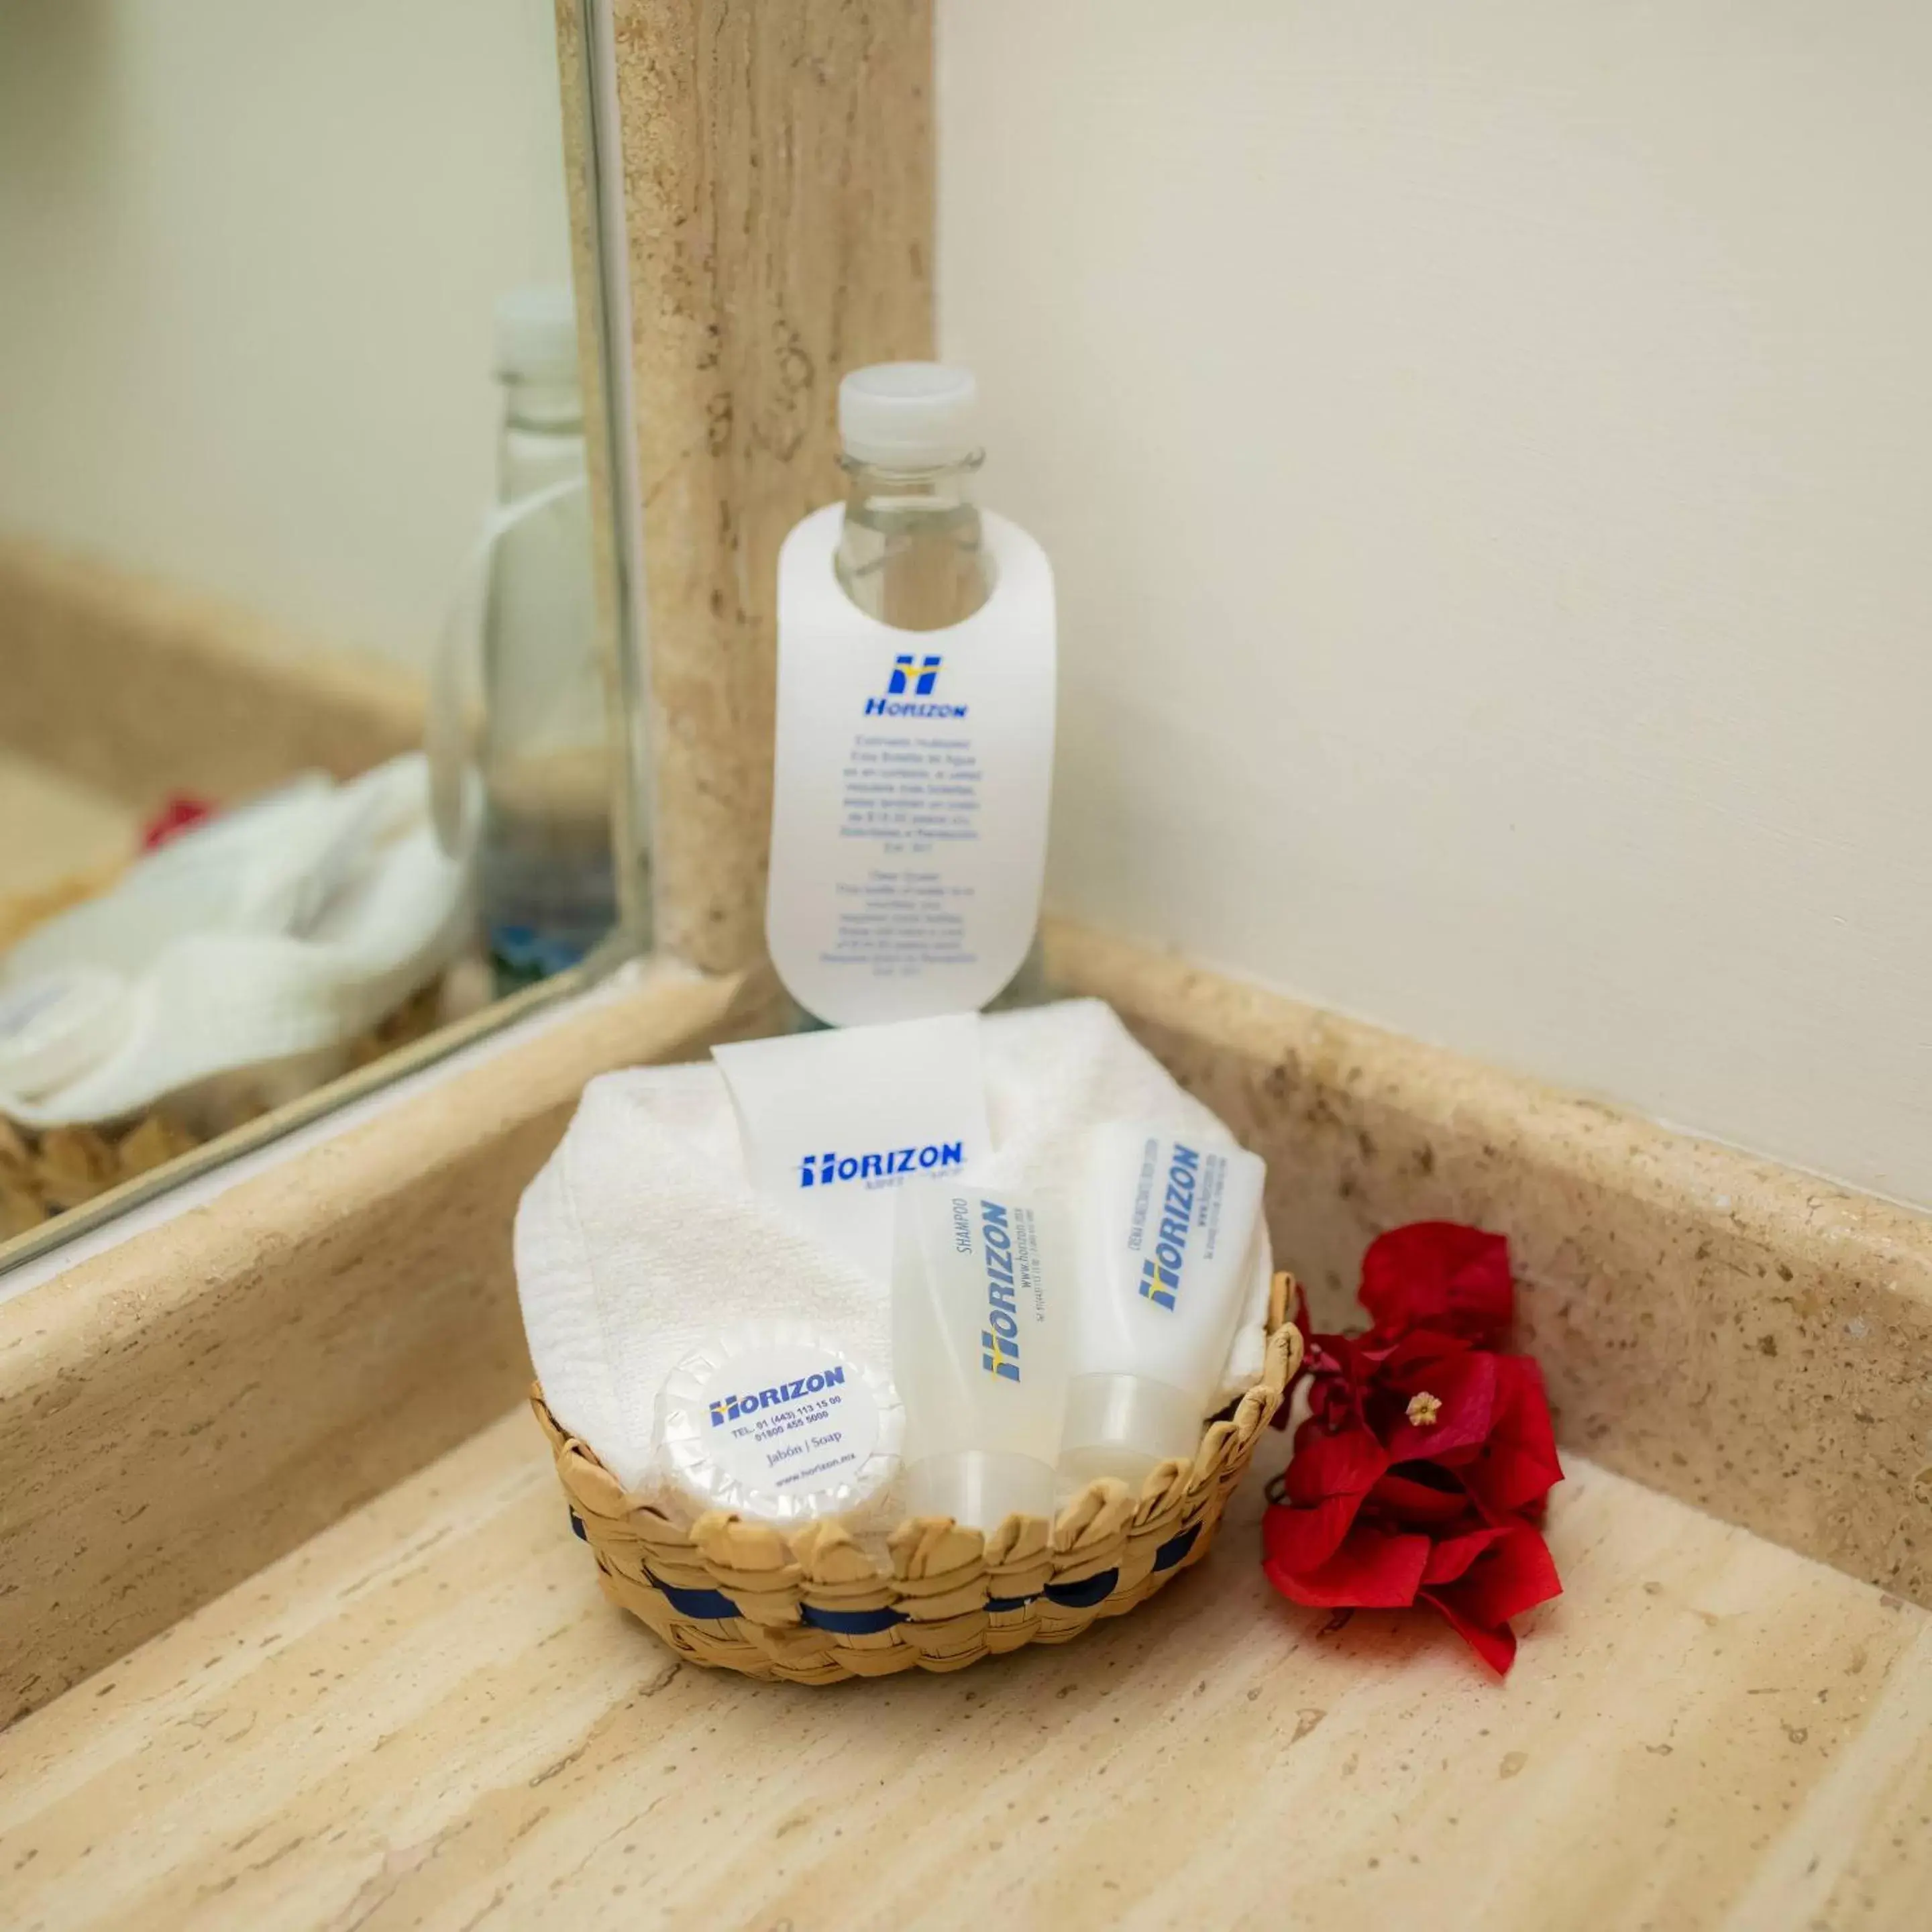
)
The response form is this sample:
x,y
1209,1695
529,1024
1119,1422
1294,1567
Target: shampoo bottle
x,y
914,745
979,1351
1166,1241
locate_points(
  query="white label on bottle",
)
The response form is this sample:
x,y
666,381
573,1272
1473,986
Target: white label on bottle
x,y
787,1420
833,1124
910,787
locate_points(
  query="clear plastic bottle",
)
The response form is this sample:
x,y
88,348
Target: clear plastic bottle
x,y
910,550
547,871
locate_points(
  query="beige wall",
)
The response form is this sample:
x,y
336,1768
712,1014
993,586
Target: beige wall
x,y
248,253
1487,452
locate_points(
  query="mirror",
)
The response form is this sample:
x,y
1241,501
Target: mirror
x,y
314,650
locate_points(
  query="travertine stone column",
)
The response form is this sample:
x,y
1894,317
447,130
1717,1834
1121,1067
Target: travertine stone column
x,y
778,177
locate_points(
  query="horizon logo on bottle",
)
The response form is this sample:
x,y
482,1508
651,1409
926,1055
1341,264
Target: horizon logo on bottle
x,y
1158,1284
902,669
1000,1340
1160,1272
913,678
822,1170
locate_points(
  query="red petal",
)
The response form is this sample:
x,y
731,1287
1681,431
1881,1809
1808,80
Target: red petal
x,y
1496,1648
1413,1505
1452,1556
1325,1466
179,812
1323,1487
1512,1574
1302,1539
1439,1274
1332,1405
1519,1466
1409,1360
1371,1571
1515,1574
1465,1386
1340,1358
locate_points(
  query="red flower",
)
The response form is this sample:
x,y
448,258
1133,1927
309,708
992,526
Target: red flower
x,y
1421,1472
180,811
1439,1274
1479,1581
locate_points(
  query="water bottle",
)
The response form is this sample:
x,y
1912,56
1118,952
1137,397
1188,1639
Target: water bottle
x,y
526,778
911,772
911,551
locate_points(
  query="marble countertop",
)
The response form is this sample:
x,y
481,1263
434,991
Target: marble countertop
x,y
427,1716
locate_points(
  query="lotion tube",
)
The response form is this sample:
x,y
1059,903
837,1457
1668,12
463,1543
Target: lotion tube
x,y
979,1351
1166,1246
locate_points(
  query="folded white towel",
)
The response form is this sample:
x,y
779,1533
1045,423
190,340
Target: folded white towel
x,y
234,967
642,1236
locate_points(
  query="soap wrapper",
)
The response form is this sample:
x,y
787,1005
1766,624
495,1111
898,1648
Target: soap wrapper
x,y
774,1421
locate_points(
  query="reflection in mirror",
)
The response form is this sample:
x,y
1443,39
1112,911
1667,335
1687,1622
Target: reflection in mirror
x,y
309,677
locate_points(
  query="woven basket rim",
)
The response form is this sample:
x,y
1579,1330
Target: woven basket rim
x,y
924,1552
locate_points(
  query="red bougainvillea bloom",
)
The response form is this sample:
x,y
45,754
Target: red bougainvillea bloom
x,y
1440,1275
180,811
1421,1472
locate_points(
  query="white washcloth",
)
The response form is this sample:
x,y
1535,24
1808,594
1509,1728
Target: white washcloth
x,y
642,1236
246,955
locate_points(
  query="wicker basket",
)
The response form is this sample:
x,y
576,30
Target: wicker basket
x,y
815,1607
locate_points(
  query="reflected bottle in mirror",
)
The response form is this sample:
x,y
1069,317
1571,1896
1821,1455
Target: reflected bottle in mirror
x,y
547,874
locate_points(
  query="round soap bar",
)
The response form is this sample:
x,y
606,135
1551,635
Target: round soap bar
x,y
777,1420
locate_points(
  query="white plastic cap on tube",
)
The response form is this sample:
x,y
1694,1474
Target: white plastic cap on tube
x,y
536,333
1123,1425
908,416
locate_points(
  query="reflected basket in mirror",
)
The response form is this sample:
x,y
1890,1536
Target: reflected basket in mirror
x,y
255,954
44,1173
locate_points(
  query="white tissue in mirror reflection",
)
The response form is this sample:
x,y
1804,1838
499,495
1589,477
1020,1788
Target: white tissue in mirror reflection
x,y
55,1026
264,942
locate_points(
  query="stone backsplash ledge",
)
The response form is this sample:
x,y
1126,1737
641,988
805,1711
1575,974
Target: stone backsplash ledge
x,y
1752,1339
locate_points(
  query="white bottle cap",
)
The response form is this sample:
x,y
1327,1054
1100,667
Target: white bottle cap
x,y
1123,1425
776,1421
908,416
57,1025
536,334
979,1488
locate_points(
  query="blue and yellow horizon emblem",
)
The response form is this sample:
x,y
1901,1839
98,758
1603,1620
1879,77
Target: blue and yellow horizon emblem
x,y
1158,1284
998,1356
909,672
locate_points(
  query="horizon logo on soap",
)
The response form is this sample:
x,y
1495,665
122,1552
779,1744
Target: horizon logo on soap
x,y
730,1407
823,1170
913,678
1000,1339
1160,1272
